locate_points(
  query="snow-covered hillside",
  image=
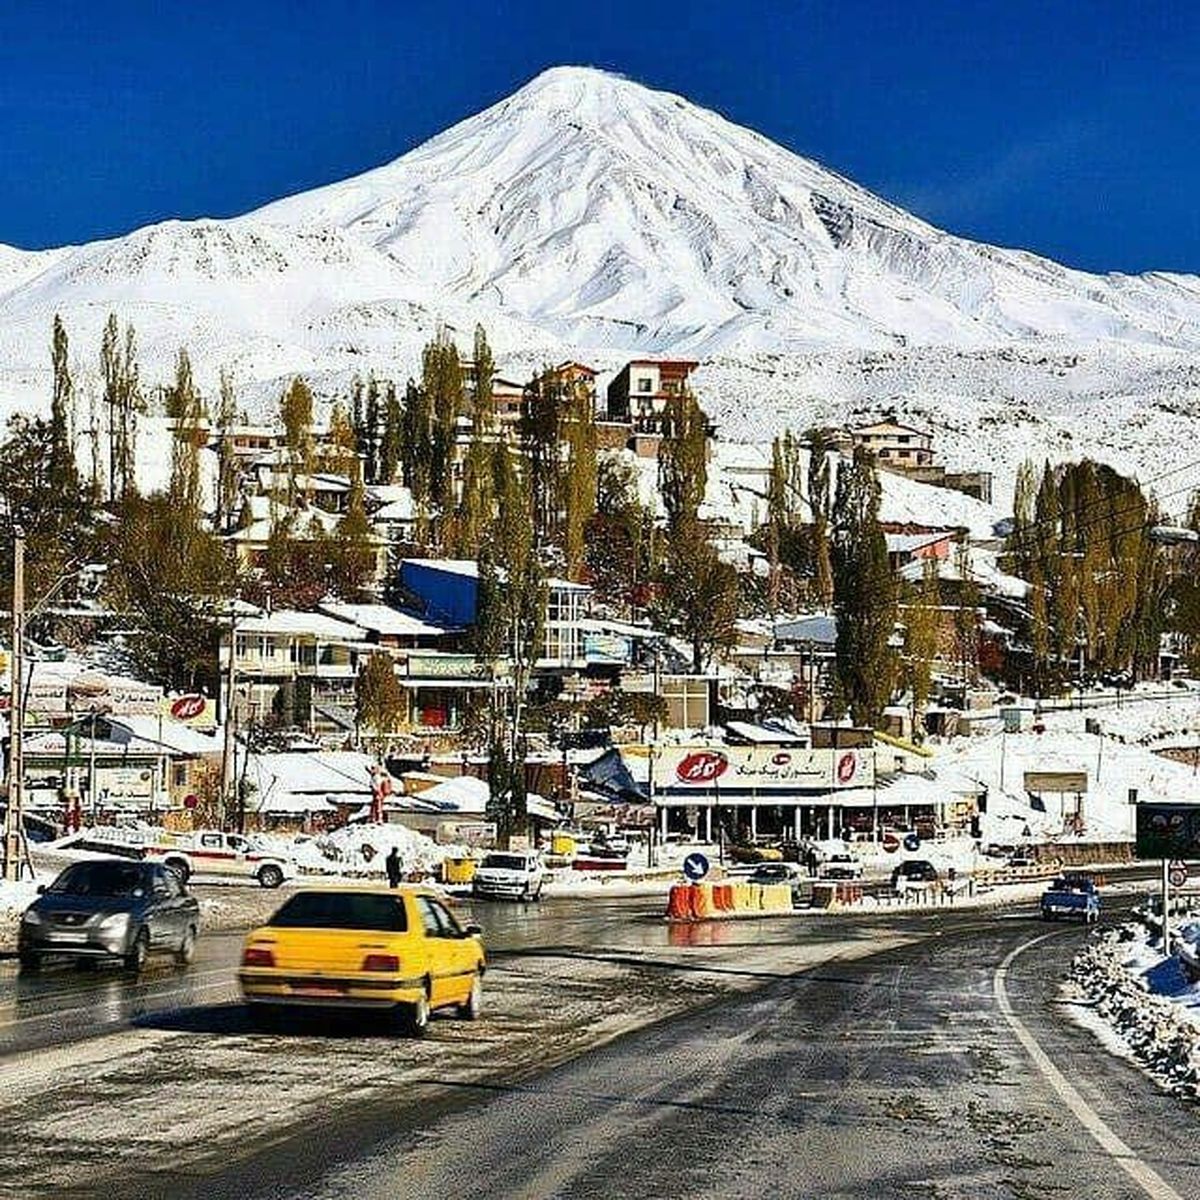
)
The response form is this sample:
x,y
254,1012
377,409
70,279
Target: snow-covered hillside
x,y
591,215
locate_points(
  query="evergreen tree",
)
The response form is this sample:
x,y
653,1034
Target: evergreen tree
x,y
372,418
353,559
864,592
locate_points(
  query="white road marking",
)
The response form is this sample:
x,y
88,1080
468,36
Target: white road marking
x,y
1145,1177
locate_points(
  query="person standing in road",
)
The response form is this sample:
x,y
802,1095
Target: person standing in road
x,y
392,866
810,861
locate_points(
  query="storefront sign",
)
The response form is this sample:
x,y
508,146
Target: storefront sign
x,y
759,769
446,666
607,648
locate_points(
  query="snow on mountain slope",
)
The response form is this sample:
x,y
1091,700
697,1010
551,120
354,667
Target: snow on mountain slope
x,y
588,215
616,215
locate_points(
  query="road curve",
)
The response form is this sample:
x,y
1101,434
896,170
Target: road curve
x,y
895,1075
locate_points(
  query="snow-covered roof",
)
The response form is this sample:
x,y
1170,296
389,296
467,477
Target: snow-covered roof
x,y
292,621
820,628
909,543
382,619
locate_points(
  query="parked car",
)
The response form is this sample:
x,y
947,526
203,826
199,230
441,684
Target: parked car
x,y
1071,896
400,951
913,870
841,866
784,872
515,874
110,909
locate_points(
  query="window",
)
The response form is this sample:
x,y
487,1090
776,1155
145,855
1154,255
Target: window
x,y
211,841
345,910
645,384
450,925
429,918
179,774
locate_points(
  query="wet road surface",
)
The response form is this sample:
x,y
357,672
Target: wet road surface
x,y
803,1056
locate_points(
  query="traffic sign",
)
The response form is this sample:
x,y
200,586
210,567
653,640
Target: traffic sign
x,y
1177,873
891,843
695,867
912,843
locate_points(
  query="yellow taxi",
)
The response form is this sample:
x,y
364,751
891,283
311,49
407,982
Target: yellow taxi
x,y
368,948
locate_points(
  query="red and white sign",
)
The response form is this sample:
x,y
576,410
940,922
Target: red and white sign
x,y
761,770
192,709
701,767
847,765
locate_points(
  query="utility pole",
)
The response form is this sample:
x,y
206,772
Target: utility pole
x,y
16,849
228,771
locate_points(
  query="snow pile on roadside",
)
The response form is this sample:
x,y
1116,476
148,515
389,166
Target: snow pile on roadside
x,y
361,849
1144,999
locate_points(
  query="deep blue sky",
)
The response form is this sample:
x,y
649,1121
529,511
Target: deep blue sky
x,y
1068,128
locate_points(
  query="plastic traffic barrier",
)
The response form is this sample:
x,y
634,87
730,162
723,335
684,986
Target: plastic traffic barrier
x,y
679,903
723,897
702,901
742,898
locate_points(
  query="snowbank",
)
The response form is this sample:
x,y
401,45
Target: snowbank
x,y
1145,1004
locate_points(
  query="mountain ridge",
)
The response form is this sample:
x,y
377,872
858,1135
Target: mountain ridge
x,y
586,214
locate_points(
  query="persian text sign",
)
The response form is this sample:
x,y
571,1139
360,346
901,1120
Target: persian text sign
x,y
759,769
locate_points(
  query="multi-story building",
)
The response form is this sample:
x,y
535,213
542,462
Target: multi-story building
x,y
895,445
639,392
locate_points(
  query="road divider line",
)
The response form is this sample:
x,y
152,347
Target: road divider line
x,y
1151,1183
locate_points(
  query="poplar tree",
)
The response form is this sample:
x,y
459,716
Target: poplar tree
x,y
579,487
227,472
296,413
417,443
62,474
186,408
819,505
699,590
391,450
509,621
864,592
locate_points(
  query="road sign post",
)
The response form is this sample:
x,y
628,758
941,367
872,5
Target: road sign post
x,y
1166,900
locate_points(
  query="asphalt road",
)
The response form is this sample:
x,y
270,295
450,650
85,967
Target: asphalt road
x,y
874,1073
895,1075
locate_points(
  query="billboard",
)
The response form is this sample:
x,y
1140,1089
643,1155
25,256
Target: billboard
x,y
1168,831
760,771
1058,782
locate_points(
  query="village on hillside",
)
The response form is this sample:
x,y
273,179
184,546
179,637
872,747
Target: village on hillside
x,y
564,613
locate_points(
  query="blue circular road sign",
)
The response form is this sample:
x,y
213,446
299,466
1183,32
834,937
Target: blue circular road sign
x,y
695,866
912,843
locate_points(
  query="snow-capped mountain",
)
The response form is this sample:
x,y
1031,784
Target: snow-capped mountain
x,y
589,214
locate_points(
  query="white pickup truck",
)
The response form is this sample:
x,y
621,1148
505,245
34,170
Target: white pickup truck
x,y
211,852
